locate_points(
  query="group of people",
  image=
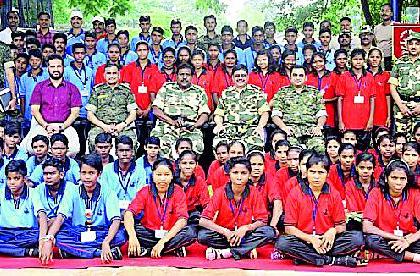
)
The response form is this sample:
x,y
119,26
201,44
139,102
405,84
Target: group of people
x,y
340,174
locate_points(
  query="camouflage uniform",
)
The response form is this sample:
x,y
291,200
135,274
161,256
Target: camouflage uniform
x,y
405,76
111,106
5,62
300,112
204,41
241,112
186,105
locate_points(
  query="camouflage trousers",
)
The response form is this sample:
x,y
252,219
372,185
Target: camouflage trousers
x,y
130,132
168,135
242,133
405,124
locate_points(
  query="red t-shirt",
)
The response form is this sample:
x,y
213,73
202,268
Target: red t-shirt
x,y
355,115
337,180
219,179
356,196
382,92
270,83
221,81
205,81
154,215
224,211
300,208
283,81
159,79
384,215
137,77
196,193
288,186
324,85
214,166
267,190
280,179
99,77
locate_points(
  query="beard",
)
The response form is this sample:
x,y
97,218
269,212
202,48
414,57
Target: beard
x,y
55,77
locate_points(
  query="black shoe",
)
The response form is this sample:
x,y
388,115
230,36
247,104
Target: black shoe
x,y
116,253
31,252
181,252
345,261
144,252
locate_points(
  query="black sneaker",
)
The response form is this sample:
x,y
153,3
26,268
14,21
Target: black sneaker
x,y
181,252
31,252
116,253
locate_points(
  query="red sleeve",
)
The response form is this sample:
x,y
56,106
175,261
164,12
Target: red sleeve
x,y
340,85
373,86
338,214
181,204
416,194
212,168
214,205
291,214
386,83
312,80
138,203
216,84
272,191
253,79
372,205
259,211
99,77
199,172
203,192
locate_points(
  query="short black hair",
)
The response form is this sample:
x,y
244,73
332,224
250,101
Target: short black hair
x,y
41,138
188,152
142,42
90,34
190,27
308,24
12,128
257,29
175,22
18,34
22,55
60,35
365,157
169,49
123,32
124,139
158,30
226,29
239,67
358,52
340,51
47,45
183,139
221,144
239,160
18,166
324,30
153,141
236,142
317,158
144,18
281,143
110,21
185,66
43,13
103,137
93,160
53,162
345,18
32,40
291,29
346,146
269,24
211,16
78,46
56,57
59,137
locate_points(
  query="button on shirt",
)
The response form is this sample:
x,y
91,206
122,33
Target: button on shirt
x,y
56,102
15,213
103,204
83,79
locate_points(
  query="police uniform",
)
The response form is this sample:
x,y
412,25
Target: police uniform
x,y
241,112
300,112
111,106
405,76
186,105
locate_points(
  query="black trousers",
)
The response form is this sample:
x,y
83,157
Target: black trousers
x,y
253,239
82,127
381,246
345,243
388,63
147,239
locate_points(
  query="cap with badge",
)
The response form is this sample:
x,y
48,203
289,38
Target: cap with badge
x,y
76,13
366,30
99,19
413,35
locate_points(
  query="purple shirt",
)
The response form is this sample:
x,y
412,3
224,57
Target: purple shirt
x,y
56,102
44,39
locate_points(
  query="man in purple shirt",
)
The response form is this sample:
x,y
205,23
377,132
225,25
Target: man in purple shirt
x,y
44,34
55,104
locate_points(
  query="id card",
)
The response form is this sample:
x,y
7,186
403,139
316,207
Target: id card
x,y
398,233
88,236
84,93
322,91
142,89
359,99
159,234
124,204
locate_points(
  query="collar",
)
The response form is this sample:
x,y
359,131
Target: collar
x,y
95,194
170,192
40,32
307,190
364,72
66,164
146,162
341,173
141,35
75,68
180,40
291,173
191,181
404,197
41,71
130,169
149,63
60,191
229,191
326,73
13,155
304,42
380,71
62,83
23,195
70,33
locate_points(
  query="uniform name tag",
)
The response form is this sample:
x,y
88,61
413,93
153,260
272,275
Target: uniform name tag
x,y
359,99
159,234
88,236
124,204
398,233
142,89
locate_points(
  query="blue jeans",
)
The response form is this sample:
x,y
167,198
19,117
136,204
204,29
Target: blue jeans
x,y
15,241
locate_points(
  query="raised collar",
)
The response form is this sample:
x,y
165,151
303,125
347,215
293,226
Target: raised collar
x,y
71,34
364,73
149,63
229,191
60,191
95,195
130,169
170,192
75,68
23,195
307,190
62,83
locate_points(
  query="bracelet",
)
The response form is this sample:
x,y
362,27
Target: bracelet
x,y
48,237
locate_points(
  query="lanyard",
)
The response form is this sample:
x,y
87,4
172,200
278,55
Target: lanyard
x,y
358,83
263,80
320,83
236,211
124,180
142,74
158,208
169,77
79,76
394,208
314,210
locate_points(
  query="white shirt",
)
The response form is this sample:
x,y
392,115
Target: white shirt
x,y
6,35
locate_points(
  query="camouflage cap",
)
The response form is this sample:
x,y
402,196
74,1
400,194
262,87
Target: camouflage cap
x,y
413,35
366,30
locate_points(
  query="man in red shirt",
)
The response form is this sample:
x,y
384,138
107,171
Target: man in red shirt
x,y
140,75
356,91
315,222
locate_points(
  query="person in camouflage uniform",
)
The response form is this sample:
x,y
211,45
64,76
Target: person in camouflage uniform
x,y
242,113
299,111
211,37
405,86
111,108
181,109
6,70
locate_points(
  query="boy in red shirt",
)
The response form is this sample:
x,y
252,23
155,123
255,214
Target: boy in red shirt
x,y
234,222
315,222
356,90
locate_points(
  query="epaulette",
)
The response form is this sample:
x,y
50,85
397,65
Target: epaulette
x,y
99,85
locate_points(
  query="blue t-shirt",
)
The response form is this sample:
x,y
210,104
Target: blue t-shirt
x,y
71,172
49,204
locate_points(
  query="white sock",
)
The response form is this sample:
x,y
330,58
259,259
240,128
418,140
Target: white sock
x,y
416,258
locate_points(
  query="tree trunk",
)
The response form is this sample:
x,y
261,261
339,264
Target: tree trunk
x,y
366,12
5,8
